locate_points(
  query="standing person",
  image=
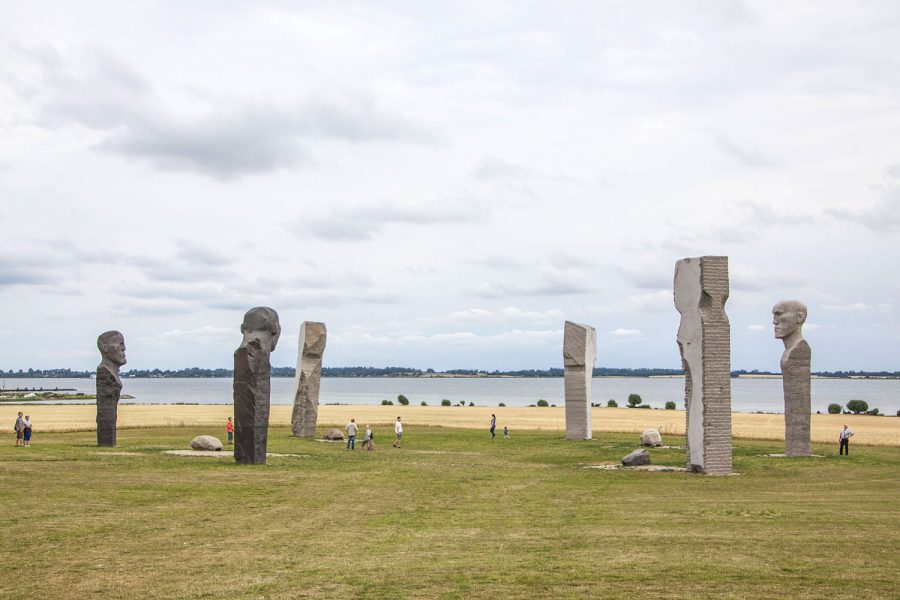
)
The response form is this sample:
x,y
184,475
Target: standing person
x,y
845,441
26,431
229,429
506,432
493,425
398,429
351,434
369,441
20,430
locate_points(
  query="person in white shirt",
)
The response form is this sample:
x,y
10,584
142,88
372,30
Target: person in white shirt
x,y
398,429
351,434
369,442
845,441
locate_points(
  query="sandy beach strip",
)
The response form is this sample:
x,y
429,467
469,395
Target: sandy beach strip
x,y
878,431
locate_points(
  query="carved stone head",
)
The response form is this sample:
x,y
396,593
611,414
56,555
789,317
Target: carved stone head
x,y
112,348
788,316
261,324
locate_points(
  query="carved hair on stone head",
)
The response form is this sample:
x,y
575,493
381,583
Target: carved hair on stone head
x,y
105,339
793,306
262,318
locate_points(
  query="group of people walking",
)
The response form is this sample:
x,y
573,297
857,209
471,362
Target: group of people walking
x,y
23,430
368,442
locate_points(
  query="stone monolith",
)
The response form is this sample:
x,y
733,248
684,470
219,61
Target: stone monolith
x,y
109,386
788,317
579,354
701,290
306,381
252,389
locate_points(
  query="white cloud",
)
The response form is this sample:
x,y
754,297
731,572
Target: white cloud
x,y
756,328
622,332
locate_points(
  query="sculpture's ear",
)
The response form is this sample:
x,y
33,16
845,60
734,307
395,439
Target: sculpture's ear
x,y
801,317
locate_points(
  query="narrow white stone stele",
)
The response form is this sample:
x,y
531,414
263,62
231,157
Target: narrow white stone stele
x,y
579,355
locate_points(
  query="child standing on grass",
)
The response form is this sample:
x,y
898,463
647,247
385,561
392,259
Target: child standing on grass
x,y
229,429
26,431
398,429
20,429
506,432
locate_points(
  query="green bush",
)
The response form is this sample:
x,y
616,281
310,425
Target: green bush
x,y
634,400
424,403
834,409
403,400
612,403
471,403
670,405
501,404
643,406
857,406
874,412
387,403
543,403
445,402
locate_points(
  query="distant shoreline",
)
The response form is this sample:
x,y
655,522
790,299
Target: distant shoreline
x,y
435,375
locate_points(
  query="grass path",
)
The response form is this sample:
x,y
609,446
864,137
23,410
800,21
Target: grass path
x,y
451,515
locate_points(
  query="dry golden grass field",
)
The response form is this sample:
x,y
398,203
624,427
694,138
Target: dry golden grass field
x,y
869,430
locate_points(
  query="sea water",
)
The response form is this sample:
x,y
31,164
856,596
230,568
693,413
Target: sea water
x,y
747,395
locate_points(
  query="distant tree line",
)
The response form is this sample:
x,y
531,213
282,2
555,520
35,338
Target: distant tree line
x,y
196,372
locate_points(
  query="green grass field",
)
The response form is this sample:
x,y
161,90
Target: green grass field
x,y
451,515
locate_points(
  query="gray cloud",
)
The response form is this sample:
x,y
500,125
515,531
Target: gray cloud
x,y
742,152
548,286
225,139
367,221
881,216
489,169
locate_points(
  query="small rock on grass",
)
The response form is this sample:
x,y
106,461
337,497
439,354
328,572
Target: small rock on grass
x,y
638,457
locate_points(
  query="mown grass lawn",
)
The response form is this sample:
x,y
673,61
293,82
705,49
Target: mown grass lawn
x,y
451,515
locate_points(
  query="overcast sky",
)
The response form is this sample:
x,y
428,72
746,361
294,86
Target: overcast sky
x,y
445,183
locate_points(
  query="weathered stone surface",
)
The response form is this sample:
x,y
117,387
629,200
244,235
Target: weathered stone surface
x,y
704,340
334,434
109,386
638,457
251,386
788,317
651,437
206,442
579,354
306,381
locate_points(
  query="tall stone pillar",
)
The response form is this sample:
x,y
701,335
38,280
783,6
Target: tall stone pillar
x,y
109,386
306,381
704,340
788,316
251,387
579,354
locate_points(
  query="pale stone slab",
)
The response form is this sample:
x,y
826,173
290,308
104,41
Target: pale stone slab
x,y
306,381
704,340
579,354
252,385
788,317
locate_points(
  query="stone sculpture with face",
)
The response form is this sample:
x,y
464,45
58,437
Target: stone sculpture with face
x,y
112,351
788,316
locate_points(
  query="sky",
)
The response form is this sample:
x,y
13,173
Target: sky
x,y
444,184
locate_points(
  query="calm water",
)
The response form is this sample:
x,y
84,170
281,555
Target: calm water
x,y
748,395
